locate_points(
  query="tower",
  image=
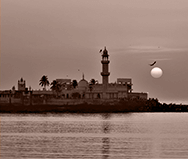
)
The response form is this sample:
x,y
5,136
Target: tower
x,y
21,85
105,72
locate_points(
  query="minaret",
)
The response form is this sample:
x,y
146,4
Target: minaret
x,y
105,72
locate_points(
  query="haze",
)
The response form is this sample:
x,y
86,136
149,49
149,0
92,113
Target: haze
x,y
59,37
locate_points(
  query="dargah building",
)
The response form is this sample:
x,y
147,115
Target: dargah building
x,y
122,88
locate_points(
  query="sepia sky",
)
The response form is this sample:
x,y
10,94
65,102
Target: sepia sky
x,y
62,39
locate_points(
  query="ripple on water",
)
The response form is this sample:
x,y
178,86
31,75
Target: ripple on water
x,y
76,136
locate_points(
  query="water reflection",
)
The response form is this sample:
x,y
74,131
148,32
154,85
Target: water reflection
x,y
105,147
107,136
106,140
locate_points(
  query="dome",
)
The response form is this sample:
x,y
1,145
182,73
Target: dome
x,y
83,83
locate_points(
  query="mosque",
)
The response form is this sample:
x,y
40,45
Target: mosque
x,y
121,89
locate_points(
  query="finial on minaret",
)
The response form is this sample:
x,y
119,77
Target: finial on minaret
x,y
82,75
105,53
103,50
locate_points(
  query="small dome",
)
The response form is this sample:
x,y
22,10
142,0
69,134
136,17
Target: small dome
x,y
83,83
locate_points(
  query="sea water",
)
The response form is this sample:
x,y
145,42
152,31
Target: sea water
x,y
97,136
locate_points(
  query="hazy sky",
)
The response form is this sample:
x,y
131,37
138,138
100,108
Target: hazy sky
x,y
58,37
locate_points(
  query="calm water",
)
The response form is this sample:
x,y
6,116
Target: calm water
x,y
115,136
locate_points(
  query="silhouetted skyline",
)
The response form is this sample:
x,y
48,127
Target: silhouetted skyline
x,y
58,38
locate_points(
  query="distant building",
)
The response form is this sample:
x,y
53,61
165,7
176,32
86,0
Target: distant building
x,y
21,85
122,88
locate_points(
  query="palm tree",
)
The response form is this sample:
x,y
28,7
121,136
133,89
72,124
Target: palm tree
x,y
91,85
44,81
92,81
56,86
74,83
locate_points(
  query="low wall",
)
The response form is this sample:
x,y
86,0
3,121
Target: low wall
x,y
12,100
54,101
78,101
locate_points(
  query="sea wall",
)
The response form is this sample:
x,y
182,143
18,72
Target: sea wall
x,y
54,101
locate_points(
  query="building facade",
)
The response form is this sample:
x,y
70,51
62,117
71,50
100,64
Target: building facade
x,y
122,88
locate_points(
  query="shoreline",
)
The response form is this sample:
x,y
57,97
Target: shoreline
x,y
120,107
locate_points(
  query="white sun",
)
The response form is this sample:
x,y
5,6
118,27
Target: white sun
x,y
156,72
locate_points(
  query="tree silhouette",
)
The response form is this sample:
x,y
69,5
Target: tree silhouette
x,y
92,81
55,86
91,85
44,81
74,83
